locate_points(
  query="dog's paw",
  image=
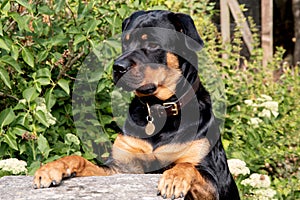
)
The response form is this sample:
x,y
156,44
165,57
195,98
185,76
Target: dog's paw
x,y
176,182
50,174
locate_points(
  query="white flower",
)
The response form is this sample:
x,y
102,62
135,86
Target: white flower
x,y
265,113
264,194
260,99
22,101
255,121
237,167
275,113
271,105
249,102
13,165
257,181
266,97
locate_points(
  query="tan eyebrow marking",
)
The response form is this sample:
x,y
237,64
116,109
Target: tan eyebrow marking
x,y
144,37
127,37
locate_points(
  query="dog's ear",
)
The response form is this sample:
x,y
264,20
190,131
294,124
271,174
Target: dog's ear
x,y
126,22
185,24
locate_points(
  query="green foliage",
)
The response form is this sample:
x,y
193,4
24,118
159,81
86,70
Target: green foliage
x,y
57,95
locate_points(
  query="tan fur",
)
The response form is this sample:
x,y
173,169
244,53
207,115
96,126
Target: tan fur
x,y
127,37
181,179
127,148
144,37
164,78
64,167
172,61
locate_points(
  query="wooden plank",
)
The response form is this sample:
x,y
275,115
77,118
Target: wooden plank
x,y
267,30
241,22
225,24
225,21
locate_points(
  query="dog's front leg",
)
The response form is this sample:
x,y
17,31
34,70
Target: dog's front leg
x,y
184,180
69,166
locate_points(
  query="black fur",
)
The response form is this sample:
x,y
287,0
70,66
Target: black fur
x,y
195,120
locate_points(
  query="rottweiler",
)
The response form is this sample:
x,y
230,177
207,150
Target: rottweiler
x,y
170,127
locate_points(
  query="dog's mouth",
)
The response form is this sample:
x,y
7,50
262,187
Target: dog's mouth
x,y
147,89
144,90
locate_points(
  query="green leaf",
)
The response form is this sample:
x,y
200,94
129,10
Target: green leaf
x,y
43,73
50,99
78,39
1,29
113,43
41,117
43,81
91,25
5,6
122,11
43,146
5,77
3,45
10,61
10,139
22,21
28,57
33,167
25,4
30,94
42,55
45,10
59,5
64,84
59,39
15,52
7,116
19,130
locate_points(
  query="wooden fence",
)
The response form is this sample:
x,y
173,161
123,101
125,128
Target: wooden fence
x,y
233,7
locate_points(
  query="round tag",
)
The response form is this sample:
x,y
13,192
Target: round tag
x,y
150,128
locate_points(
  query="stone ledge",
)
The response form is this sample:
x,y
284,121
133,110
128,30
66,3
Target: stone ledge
x,y
116,187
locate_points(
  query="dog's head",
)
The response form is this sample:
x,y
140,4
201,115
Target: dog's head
x,y
154,44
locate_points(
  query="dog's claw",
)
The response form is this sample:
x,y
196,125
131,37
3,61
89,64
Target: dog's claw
x,y
158,192
181,195
54,182
73,175
164,196
173,197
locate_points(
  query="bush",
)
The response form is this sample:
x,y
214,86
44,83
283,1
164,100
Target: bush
x,y
49,75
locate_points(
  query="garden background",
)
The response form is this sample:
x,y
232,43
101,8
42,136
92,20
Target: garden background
x,y
44,44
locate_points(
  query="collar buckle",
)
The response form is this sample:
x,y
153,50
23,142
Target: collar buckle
x,y
174,107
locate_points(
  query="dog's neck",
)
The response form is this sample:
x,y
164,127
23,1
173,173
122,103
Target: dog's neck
x,y
172,106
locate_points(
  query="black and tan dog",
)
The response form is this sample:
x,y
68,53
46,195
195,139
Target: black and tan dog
x,y
170,127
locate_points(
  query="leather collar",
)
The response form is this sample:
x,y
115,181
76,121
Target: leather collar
x,y
173,108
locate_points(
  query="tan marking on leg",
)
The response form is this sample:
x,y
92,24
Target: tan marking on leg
x,y
132,145
64,167
184,178
132,153
128,150
191,152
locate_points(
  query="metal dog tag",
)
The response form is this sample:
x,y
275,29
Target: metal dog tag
x,y
150,128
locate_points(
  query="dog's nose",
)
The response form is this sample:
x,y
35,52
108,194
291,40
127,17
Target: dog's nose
x,y
121,66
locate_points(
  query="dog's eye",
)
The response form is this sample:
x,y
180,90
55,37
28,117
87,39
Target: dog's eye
x,y
153,46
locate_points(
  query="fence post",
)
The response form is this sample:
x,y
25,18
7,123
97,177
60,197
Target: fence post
x,y
225,25
267,30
